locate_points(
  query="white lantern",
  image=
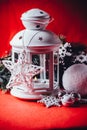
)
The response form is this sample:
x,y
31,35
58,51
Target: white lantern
x,y
41,48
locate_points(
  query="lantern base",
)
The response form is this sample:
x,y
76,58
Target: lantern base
x,y
24,95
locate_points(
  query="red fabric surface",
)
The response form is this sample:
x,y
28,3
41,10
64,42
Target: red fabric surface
x,y
70,18
17,114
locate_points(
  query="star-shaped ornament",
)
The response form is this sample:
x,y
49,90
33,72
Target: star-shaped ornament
x,y
22,72
50,101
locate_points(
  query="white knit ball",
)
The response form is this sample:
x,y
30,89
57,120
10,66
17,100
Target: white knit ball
x,y
75,79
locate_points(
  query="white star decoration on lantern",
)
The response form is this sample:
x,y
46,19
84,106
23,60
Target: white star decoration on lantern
x,y
22,72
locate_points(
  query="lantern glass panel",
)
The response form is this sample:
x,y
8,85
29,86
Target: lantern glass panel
x,y
48,78
41,80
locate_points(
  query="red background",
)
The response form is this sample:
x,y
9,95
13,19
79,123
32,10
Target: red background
x,y
70,19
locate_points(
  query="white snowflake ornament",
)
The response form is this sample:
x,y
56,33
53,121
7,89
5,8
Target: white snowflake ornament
x,y
64,51
50,101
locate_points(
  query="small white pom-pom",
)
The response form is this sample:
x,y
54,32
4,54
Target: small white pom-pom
x,y
75,79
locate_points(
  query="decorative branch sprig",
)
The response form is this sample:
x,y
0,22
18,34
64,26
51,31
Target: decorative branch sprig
x,y
4,72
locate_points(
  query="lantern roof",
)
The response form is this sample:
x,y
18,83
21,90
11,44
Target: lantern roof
x,y
36,19
35,14
34,38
